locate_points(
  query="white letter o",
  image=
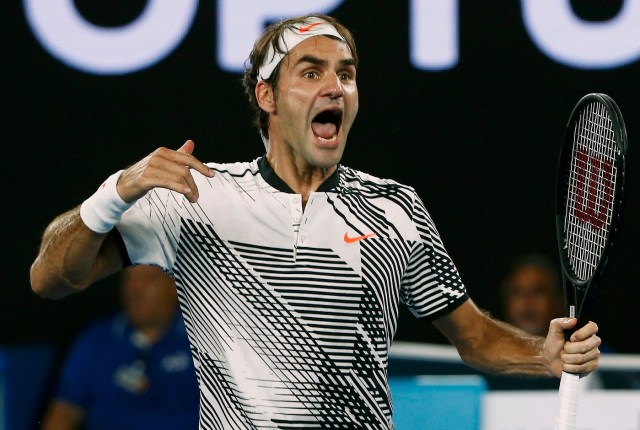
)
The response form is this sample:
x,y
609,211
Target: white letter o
x,y
66,35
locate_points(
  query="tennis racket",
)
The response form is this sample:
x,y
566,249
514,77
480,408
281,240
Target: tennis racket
x,y
589,197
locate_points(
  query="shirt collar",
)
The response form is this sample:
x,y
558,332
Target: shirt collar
x,y
330,184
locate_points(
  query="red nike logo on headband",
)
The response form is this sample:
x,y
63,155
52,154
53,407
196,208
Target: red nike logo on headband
x,y
308,27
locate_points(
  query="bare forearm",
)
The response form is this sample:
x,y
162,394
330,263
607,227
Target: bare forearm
x,y
493,346
507,350
68,259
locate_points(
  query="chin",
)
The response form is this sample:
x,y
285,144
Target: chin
x,y
326,161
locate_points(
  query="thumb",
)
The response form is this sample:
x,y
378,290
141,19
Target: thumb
x,y
187,147
560,325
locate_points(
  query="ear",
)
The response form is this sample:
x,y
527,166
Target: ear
x,y
264,95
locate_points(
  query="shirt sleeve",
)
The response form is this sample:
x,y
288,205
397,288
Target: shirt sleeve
x,y
150,229
431,286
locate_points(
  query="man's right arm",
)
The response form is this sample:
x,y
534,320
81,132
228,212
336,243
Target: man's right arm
x,y
72,257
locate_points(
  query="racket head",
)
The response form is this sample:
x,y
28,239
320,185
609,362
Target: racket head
x,y
589,195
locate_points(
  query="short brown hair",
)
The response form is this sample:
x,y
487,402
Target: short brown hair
x,y
272,36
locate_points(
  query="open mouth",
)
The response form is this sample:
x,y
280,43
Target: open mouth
x,y
326,124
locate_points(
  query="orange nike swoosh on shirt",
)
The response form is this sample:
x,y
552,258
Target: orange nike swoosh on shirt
x,y
308,27
348,239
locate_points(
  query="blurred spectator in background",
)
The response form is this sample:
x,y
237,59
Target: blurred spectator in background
x,y
132,370
532,294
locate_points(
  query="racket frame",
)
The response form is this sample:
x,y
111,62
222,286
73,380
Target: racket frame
x,y
581,293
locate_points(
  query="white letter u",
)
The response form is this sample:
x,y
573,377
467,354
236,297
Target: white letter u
x,y
582,44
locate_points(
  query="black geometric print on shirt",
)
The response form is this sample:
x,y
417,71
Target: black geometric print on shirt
x,y
431,268
357,305
387,257
310,372
351,181
334,305
433,280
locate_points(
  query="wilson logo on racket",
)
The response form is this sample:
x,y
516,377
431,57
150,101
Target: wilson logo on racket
x,y
594,188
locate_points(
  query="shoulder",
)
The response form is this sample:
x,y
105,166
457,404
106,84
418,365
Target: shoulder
x,y
240,168
373,187
103,328
102,324
97,335
178,328
229,173
354,178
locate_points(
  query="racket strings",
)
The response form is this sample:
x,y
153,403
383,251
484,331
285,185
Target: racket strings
x,y
590,189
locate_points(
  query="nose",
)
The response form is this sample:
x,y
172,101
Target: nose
x,y
332,86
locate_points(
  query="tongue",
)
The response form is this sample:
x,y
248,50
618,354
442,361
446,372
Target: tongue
x,y
326,130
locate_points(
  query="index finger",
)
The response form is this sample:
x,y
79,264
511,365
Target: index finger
x,y
191,161
585,332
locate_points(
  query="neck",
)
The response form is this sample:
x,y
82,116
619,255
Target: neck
x,y
153,333
152,330
302,177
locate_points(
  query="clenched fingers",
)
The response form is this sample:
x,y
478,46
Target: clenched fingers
x,y
585,332
581,356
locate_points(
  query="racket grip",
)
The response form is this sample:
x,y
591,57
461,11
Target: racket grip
x,y
569,394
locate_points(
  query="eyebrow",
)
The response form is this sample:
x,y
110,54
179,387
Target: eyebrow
x,y
320,62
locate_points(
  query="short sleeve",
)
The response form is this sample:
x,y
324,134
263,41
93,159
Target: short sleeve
x,y
151,227
431,285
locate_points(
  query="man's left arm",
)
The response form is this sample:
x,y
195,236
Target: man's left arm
x,y
493,346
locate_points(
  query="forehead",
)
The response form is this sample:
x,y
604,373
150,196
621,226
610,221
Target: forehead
x,y
320,47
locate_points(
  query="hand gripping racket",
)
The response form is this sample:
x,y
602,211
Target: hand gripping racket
x,y
590,185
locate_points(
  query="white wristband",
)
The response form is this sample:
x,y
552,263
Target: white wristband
x,y
102,211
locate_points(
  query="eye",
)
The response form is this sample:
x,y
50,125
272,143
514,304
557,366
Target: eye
x,y
348,74
310,74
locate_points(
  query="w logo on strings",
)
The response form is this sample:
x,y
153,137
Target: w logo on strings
x,y
594,188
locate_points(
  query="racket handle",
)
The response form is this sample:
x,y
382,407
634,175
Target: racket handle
x,y
568,401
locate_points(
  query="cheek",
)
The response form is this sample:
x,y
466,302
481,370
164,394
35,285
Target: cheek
x,y
297,95
353,103
518,304
292,106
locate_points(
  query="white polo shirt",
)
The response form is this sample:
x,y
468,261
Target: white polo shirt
x,y
291,312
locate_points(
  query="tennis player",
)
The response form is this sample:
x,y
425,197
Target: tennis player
x,y
290,267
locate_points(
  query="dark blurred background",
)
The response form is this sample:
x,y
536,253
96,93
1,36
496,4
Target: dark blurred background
x,y
478,138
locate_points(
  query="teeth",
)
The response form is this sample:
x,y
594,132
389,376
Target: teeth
x,y
326,140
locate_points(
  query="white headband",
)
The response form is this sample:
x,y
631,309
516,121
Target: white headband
x,y
292,36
